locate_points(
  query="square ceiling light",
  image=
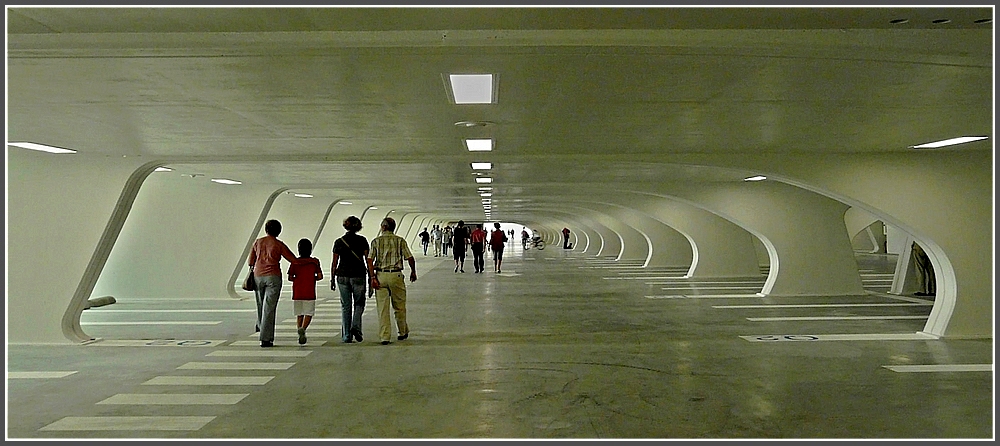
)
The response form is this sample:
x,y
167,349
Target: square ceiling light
x,y
479,145
472,88
482,166
484,180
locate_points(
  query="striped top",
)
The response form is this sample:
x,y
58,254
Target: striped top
x,y
389,251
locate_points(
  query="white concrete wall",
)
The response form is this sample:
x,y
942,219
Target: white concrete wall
x,y
58,207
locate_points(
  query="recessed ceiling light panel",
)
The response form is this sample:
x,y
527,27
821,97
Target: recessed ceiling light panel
x,y
472,88
484,180
482,166
479,145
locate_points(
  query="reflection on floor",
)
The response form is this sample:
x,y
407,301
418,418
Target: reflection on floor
x,y
559,345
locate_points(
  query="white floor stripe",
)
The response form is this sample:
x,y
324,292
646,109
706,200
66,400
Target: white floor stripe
x,y
311,329
208,381
175,398
313,342
237,366
309,334
327,317
941,368
904,298
830,318
261,353
701,288
154,323
841,337
38,375
102,310
156,343
765,306
128,424
703,296
760,283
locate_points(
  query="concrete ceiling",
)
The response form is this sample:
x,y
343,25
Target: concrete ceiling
x,y
352,103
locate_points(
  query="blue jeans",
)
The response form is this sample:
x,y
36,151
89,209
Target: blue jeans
x,y
267,293
352,305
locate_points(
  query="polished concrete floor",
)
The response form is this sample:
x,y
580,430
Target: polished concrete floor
x,y
561,345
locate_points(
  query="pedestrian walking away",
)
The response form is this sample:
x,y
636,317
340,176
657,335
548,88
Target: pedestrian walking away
x,y
304,274
497,239
477,241
425,239
459,240
265,259
385,268
350,270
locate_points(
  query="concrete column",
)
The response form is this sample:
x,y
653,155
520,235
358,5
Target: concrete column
x,y
804,232
720,248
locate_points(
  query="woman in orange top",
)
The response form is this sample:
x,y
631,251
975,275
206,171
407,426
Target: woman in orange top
x,y
265,258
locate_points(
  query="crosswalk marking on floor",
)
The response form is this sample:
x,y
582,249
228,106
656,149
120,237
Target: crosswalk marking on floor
x,y
769,306
941,368
154,323
129,424
208,381
313,341
156,343
39,374
204,310
830,318
261,353
840,337
237,366
702,296
175,398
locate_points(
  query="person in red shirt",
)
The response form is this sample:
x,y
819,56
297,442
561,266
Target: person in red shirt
x,y
497,239
304,274
477,241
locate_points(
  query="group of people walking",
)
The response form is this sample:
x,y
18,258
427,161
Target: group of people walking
x,y
439,238
476,238
354,259
356,266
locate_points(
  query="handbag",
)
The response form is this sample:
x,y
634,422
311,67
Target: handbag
x,y
249,284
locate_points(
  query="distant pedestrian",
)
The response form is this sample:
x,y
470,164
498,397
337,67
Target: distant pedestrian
x,y
497,240
477,241
425,239
460,239
446,240
436,240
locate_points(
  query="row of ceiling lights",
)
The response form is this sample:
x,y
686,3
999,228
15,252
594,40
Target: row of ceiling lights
x,y
477,89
